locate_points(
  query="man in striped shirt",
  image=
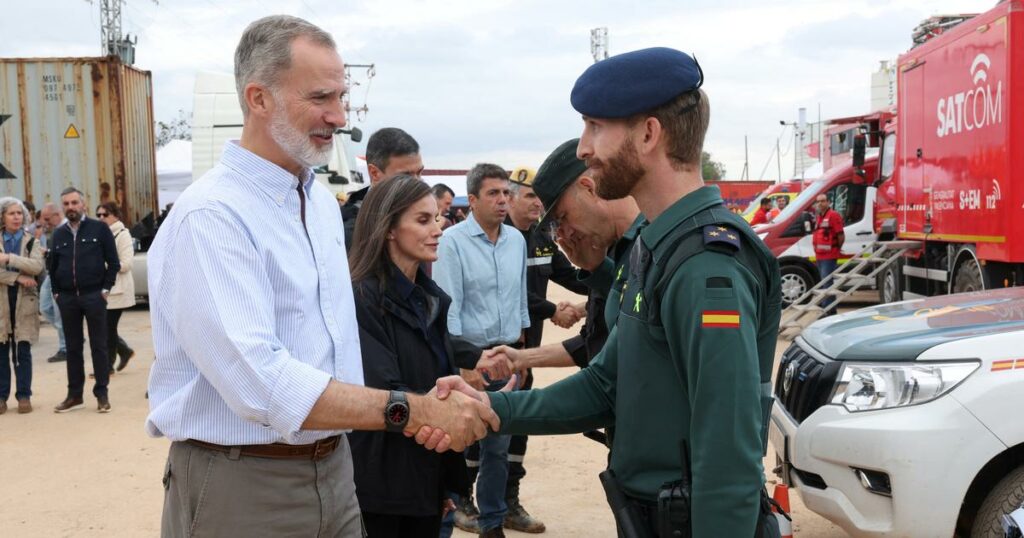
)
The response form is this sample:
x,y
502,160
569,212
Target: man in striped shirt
x,y
259,374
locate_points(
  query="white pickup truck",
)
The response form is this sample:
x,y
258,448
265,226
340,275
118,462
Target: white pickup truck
x,y
907,419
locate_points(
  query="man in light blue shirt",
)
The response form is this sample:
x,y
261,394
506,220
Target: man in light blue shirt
x,y
258,371
482,265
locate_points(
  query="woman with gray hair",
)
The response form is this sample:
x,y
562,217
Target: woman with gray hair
x,y
21,260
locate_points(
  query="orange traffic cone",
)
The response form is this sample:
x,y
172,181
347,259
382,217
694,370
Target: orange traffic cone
x,y
781,498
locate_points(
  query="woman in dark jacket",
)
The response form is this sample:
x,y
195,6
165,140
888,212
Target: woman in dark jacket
x,y
404,337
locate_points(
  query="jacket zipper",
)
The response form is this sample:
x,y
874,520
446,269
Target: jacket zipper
x,y
74,259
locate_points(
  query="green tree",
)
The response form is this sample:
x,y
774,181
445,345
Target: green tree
x,y
179,128
710,168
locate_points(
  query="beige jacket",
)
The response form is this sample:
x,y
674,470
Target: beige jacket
x,y
122,295
26,321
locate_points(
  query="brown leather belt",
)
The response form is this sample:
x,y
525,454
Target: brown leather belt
x,y
280,451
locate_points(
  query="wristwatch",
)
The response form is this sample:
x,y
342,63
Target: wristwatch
x,y
396,412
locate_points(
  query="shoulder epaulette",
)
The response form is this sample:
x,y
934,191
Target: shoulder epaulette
x,y
721,236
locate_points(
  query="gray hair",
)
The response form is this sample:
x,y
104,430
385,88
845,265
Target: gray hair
x,y
480,172
265,50
5,203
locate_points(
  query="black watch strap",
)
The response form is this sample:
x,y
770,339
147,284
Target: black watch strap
x,y
396,412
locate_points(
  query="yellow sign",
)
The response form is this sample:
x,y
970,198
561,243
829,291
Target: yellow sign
x,y
71,132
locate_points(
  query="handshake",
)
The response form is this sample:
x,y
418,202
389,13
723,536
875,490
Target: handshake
x,y
453,415
567,314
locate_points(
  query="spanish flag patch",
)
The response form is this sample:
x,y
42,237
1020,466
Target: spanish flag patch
x,y
720,319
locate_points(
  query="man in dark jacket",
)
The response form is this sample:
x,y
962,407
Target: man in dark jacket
x,y
389,152
83,264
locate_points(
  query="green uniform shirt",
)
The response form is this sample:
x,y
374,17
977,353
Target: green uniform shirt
x,y
697,377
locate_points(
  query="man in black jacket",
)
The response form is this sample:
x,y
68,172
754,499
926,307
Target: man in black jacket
x,y
389,151
83,264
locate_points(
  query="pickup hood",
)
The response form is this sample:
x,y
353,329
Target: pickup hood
x,y
902,331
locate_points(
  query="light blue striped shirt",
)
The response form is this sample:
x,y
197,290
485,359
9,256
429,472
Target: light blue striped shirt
x,y
251,319
486,281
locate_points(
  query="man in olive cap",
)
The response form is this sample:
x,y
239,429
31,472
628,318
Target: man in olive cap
x,y
685,376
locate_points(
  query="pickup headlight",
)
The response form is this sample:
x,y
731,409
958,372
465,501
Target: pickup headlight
x,y
866,386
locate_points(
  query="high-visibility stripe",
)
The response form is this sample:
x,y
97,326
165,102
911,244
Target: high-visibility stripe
x,y
998,366
530,262
1020,364
963,238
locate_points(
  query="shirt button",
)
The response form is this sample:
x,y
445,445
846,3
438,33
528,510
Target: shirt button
x,y
280,199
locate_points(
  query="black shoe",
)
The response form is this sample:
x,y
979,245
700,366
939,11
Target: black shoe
x,y
59,356
102,404
125,357
496,532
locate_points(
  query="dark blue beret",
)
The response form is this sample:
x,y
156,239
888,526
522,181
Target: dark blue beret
x,y
635,82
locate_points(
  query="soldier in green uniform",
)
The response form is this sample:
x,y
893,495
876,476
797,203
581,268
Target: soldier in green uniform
x,y
685,374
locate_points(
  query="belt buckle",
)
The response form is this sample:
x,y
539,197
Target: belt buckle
x,y
321,449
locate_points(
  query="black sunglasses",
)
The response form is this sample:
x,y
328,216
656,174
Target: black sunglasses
x,y
102,214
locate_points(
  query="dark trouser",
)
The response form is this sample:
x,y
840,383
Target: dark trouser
x,y
91,308
115,344
392,526
517,451
22,358
210,493
826,267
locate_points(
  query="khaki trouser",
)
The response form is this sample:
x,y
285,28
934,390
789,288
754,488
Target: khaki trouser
x,y
207,493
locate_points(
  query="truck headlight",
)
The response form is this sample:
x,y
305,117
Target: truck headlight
x,y
866,387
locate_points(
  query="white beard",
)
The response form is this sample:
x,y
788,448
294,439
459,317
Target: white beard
x,y
296,144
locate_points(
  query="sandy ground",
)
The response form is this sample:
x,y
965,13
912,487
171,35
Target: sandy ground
x,y
83,474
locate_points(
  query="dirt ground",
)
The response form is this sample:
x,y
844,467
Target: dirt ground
x,y
83,474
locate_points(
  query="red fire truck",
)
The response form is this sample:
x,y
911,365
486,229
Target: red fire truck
x,y
951,171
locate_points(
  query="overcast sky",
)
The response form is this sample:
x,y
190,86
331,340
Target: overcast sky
x,y
489,80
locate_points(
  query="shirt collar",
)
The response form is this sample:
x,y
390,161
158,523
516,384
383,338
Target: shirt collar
x,y
684,208
402,284
16,235
475,229
634,229
277,182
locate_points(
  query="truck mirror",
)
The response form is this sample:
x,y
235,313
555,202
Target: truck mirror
x,y
860,144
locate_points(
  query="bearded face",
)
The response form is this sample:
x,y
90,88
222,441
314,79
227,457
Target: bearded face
x,y
617,176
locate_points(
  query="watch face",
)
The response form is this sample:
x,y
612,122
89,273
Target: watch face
x,y
398,413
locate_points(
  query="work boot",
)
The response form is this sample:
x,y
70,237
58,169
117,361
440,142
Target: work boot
x,y
59,356
466,515
69,404
517,518
496,532
102,404
3,407
24,406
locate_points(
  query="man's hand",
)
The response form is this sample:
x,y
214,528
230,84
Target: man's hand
x,y
26,281
516,358
582,254
454,421
565,316
496,366
473,378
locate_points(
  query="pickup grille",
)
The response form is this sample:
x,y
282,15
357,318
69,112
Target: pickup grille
x,y
810,382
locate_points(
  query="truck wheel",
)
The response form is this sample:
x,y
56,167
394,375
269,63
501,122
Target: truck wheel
x,y
968,277
795,282
1006,497
890,286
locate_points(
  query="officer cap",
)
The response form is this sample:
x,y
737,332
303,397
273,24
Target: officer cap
x,y
559,170
634,82
523,175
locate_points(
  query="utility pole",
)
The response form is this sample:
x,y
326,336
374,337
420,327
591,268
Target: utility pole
x,y
350,82
746,160
112,42
599,43
778,158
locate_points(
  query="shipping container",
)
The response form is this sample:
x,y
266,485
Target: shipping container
x,y
83,122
